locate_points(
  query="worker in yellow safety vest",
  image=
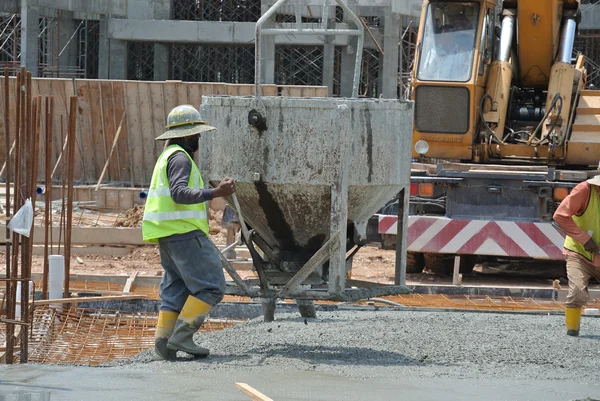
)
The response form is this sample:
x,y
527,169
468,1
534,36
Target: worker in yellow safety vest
x,y
579,216
176,218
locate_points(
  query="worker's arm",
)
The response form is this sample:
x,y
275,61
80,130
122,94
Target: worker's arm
x,y
574,205
179,169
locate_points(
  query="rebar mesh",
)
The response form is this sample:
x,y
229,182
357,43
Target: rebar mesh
x,y
217,10
94,337
140,61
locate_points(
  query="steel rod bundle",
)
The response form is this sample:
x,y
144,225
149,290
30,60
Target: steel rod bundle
x,y
31,119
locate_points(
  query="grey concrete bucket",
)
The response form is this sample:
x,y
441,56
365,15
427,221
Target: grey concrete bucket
x,y
309,174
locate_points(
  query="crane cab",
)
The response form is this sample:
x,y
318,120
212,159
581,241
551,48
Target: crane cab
x,y
454,51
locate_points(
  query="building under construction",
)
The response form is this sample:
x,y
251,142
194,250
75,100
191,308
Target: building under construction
x,y
202,41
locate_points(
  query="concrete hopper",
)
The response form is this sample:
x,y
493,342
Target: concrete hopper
x,y
310,172
316,167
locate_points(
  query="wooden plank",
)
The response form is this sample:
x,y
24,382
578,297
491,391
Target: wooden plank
x,y
123,150
147,129
110,128
182,96
251,392
96,117
112,149
38,250
61,107
147,281
95,236
267,90
135,132
170,90
130,281
219,89
84,129
42,87
107,298
159,119
194,94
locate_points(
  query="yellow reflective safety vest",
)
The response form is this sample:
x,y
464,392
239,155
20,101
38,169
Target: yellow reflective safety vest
x,y
589,221
162,216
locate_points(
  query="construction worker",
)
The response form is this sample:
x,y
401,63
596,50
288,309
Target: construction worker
x,y
579,216
176,218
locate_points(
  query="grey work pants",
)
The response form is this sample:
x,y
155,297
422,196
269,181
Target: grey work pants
x,y
192,267
579,273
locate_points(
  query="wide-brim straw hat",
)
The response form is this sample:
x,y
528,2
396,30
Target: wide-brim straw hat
x,y
186,130
595,180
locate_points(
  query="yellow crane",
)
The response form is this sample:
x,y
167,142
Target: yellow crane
x,y
508,95
503,129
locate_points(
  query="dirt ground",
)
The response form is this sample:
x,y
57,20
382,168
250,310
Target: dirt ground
x,y
370,263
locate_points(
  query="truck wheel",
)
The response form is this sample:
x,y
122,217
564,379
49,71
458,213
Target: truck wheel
x,y
467,263
415,262
443,264
439,263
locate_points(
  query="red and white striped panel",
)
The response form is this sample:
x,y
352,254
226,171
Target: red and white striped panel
x,y
479,237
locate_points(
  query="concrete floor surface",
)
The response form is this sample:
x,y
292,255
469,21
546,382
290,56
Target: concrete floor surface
x,y
349,355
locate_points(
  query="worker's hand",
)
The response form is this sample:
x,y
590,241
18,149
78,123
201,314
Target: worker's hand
x,y
590,246
226,187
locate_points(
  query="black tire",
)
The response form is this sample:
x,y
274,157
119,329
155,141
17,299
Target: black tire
x,y
443,264
439,263
415,262
467,263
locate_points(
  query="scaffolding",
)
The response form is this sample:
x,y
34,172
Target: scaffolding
x,y
69,46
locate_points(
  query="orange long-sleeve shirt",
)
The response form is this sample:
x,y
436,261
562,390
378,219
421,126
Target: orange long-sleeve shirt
x,y
575,205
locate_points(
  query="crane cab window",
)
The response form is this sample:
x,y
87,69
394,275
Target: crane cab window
x,y
448,42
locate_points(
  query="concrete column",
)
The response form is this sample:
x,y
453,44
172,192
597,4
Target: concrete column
x,y
118,60
389,71
161,62
267,50
329,59
347,70
162,11
348,60
112,55
30,29
68,40
103,49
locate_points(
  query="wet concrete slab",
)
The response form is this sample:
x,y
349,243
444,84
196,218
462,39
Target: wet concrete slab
x,y
127,383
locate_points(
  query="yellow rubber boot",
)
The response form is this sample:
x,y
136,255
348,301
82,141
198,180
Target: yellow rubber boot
x,y
164,329
573,318
190,319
